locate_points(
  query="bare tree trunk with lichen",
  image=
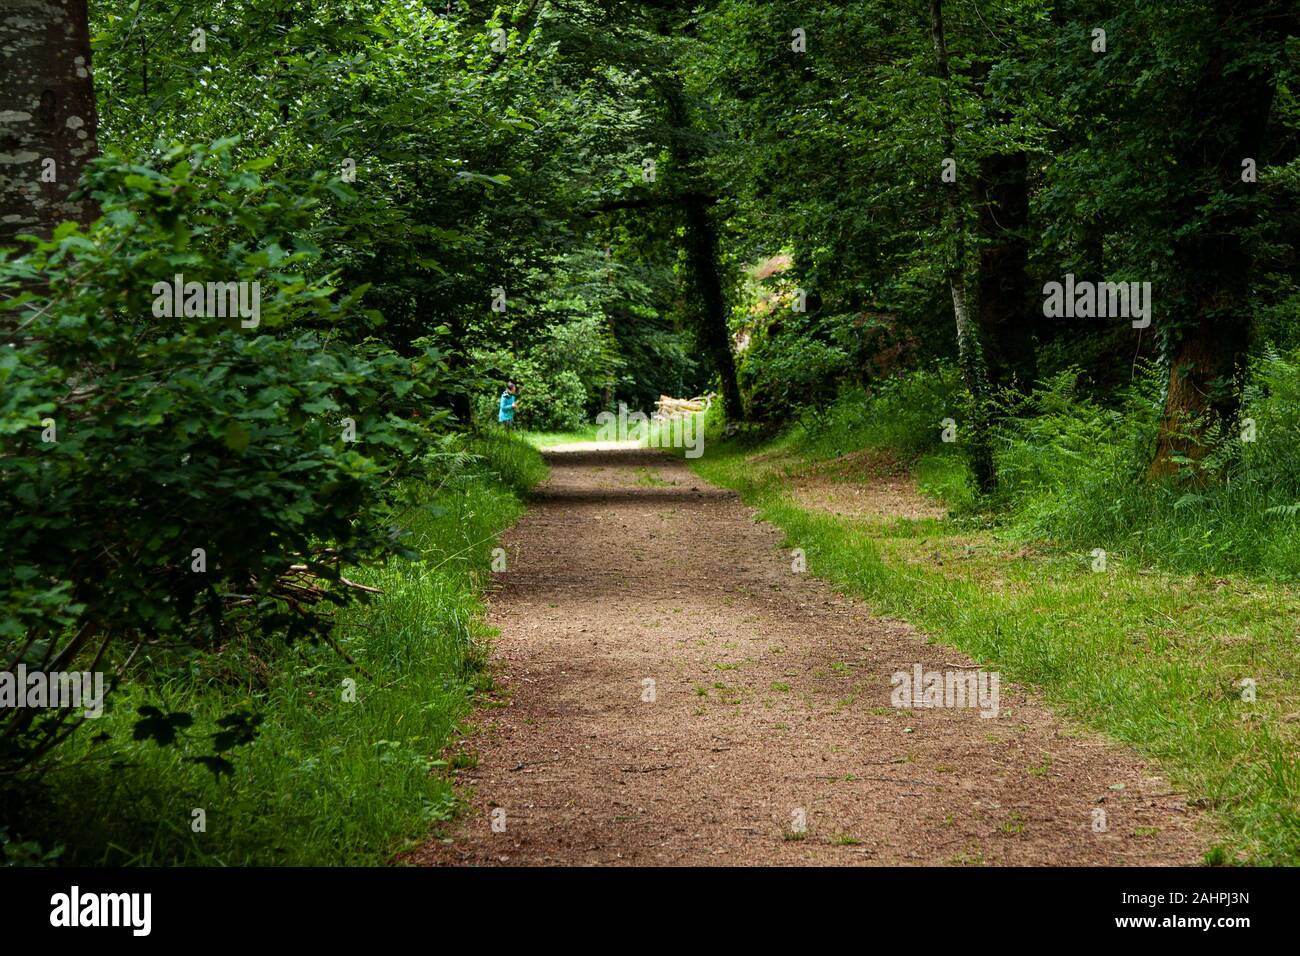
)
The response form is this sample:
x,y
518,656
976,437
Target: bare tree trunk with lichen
x,y
47,115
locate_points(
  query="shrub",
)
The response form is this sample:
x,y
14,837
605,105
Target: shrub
x,y
328,780
902,414
187,479
547,402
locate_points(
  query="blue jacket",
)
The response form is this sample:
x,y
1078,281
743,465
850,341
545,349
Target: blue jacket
x,y
506,412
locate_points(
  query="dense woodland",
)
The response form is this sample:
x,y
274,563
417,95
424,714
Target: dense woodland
x,y
844,220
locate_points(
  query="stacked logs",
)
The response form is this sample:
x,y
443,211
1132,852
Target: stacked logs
x,y
668,407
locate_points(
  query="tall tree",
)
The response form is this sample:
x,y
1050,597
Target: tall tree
x,y
969,345
704,272
1227,120
1002,301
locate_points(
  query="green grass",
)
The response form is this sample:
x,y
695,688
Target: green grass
x,y
326,781
653,434
546,439
1151,658
648,479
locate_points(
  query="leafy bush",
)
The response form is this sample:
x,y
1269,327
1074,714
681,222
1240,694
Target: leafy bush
x,y
902,414
1271,421
1072,470
187,479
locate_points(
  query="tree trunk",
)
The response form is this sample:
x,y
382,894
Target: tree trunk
x,y
47,117
1203,383
970,354
461,408
1005,320
458,366
702,252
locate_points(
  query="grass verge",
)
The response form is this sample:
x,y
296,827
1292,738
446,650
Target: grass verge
x,y
1164,662
546,439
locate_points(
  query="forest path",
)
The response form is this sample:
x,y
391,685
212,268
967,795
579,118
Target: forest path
x,y
771,706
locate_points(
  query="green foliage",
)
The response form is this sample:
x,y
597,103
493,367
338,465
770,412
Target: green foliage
x,y
133,442
560,380
834,156
902,414
788,368
1061,451
1071,469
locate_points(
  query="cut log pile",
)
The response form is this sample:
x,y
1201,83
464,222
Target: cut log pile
x,y
668,406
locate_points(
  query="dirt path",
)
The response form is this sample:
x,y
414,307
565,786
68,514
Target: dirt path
x,y
771,707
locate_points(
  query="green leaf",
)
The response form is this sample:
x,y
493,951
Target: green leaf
x,y
236,436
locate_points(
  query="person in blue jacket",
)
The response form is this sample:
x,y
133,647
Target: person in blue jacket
x,y
506,410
